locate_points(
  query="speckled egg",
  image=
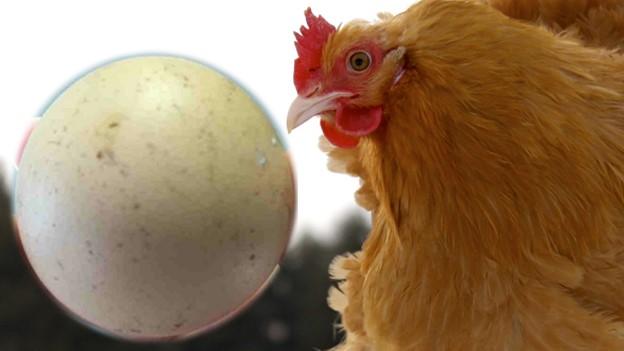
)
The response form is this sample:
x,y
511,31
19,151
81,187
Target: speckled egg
x,y
154,199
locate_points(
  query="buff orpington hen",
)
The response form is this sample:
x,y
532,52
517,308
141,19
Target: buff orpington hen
x,y
489,139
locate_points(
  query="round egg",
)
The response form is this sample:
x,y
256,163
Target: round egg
x,y
154,199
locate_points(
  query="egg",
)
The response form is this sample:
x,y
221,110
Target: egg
x,y
154,199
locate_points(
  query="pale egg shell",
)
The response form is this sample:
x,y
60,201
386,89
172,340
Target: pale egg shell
x,y
154,199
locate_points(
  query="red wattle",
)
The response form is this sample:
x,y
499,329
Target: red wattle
x,y
350,124
356,121
336,137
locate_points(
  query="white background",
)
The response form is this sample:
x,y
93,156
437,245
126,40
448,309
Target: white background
x,y
46,44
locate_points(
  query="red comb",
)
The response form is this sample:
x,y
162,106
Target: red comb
x,y
309,45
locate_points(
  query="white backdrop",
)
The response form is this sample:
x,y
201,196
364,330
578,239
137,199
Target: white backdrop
x,y
46,44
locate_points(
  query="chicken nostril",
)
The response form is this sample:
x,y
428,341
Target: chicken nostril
x,y
313,92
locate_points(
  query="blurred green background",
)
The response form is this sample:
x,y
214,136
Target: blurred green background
x,y
291,315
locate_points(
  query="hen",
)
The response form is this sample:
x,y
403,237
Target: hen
x,y
489,138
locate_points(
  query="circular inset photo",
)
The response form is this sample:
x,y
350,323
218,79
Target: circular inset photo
x,y
154,198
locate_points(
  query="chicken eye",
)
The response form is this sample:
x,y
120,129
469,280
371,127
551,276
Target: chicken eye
x,y
359,61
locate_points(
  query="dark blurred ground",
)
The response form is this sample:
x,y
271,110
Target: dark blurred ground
x,y
292,314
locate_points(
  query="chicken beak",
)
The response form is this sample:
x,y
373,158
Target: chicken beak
x,y
304,108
